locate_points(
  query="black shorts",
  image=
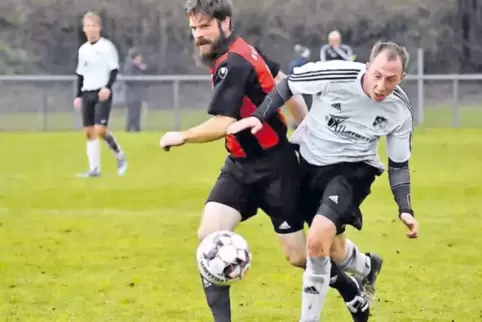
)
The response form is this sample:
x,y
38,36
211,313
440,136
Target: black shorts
x,y
95,112
271,184
335,192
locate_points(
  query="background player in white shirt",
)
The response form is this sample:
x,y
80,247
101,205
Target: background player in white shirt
x,y
97,69
354,105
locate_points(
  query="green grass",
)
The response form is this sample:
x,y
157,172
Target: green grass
x,y
122,249
435,117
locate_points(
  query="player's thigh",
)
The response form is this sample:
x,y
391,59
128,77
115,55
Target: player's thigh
x,y
338,203
102,112
217,217
344,193
279,196
88,110
228,203
279,200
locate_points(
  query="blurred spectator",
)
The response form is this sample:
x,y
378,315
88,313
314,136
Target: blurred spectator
x,y
335,49
302,54
134,90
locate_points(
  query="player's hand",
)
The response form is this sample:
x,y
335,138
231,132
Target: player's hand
x,y
411,224
104,94
78,103
171,139
251,122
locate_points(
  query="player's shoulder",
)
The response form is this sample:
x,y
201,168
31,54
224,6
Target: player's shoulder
x,y
83,47
233,61
341,66
401,100
104,42
331,72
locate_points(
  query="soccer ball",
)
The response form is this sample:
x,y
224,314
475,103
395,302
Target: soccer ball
x,y
223,257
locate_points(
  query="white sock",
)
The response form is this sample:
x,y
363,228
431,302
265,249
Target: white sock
x,y
316,281
93,154
356,262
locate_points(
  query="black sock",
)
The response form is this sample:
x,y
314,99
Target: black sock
x,y
112,143
346,286
218,300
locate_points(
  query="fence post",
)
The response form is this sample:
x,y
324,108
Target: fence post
x,y
455,102
45,108
420,87
177,111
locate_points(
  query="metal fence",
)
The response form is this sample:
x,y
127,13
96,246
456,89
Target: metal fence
x,y
44,102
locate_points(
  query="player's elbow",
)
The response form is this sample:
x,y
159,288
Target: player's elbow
x,y
221,124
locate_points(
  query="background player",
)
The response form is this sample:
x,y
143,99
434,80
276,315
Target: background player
x,y
97,69
262,170
338,141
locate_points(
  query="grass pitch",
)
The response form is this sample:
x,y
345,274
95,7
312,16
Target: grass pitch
x,y
123,249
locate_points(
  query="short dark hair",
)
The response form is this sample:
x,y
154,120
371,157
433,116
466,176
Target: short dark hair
x,y
214,9
393,50
133,52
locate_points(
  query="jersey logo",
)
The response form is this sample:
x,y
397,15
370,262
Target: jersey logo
x,y
337,106
334,199
254,53
337,125
379,123
223,72
334,122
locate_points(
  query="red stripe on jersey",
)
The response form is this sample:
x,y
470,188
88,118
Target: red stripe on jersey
x,y
234,147
267,136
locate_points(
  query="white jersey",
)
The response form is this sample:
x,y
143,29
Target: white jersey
x,y
344,124
95,62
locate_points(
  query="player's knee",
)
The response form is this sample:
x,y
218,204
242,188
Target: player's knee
x,y
297,259
202,232
320,237
294,248
100,131
89,133
316,247
217,217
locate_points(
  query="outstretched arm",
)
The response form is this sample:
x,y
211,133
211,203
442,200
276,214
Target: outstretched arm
x,y
399,152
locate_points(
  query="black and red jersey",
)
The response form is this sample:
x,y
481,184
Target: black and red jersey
x,y
241,78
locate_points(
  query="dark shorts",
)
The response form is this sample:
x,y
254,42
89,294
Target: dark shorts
x,y
271,184
95,112
335,192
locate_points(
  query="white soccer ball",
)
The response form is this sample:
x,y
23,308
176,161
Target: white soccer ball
x,y
223,257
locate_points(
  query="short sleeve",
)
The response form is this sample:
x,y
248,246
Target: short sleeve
x,y
399,142
229,82
313,78
112,56
80,63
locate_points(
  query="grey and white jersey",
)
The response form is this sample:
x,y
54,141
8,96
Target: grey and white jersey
x,y
344,124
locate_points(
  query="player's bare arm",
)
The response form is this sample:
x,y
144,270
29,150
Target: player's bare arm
x,y
398,146
213,129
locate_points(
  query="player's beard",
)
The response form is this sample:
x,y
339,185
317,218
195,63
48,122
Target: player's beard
x,y
218,47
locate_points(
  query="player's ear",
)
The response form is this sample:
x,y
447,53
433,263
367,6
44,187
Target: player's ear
x,y
367,65
403,76
226,24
